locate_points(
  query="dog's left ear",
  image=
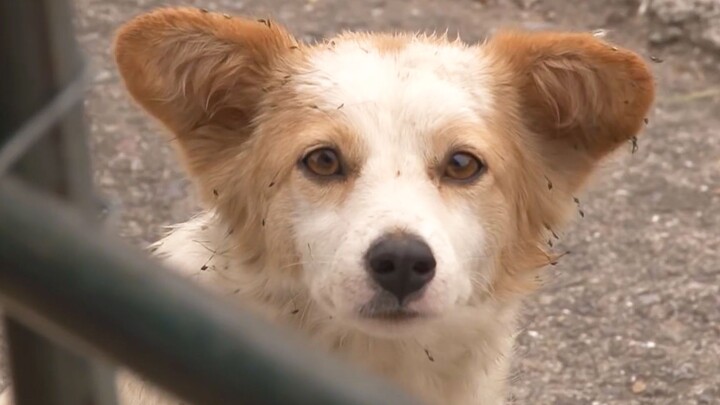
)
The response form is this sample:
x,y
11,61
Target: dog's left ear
x,y
582,96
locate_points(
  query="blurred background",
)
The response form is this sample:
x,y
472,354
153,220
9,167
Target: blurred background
x,y
633,315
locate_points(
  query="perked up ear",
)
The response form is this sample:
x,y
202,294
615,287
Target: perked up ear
x,y
575,90
202,74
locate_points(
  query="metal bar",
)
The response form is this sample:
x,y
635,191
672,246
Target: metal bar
x,y
173,332
39,58
46,375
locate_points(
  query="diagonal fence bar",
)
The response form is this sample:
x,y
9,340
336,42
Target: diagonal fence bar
x,y
68,281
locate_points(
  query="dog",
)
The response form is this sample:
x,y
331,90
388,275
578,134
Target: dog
x,y
388,195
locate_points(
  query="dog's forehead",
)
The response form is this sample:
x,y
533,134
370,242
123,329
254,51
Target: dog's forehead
x,y
399,84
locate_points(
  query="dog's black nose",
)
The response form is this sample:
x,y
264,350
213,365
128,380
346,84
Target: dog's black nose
x,y
401,264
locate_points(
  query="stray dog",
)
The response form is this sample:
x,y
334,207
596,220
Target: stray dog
x,y
390,196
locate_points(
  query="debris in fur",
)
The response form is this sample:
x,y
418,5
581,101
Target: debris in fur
x,y
557,259
550,242
215,192
551,231
272,183
204,267
228,16
634,142
263,222
646,121
429,356
580,211
549,183
266,22
204,10
295,311
294,47
341,106
656,59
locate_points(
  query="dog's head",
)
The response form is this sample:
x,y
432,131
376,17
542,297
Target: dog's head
x,y
397,177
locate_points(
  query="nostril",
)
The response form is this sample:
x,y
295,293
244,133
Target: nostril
x,y
424,267
383,266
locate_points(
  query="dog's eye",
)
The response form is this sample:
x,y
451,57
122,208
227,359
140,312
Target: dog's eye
x,y
323,162
463,166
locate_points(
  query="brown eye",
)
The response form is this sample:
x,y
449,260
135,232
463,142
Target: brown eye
x,y
323,162
463,166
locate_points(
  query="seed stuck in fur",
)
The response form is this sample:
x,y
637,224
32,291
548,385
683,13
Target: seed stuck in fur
x,y
204,10
551,231
549,183
228,16
215,193
204,267
656,59
580,211
634,142
429,356
341,106
295,311
272,183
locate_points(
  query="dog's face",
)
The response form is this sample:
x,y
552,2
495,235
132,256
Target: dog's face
x,y
399,178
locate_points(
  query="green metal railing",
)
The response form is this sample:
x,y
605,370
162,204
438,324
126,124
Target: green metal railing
x,y
78,302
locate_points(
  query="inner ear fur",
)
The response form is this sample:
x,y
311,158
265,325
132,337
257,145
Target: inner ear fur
x,y
201,74
576,90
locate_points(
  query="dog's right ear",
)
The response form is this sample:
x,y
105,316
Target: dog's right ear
x,y
202,74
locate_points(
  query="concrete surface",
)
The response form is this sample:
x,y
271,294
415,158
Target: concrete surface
x,y
633,315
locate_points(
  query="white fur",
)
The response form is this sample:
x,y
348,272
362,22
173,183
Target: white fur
x,y
395,103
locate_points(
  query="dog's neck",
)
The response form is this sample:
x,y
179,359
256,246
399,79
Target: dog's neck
x,y
466,354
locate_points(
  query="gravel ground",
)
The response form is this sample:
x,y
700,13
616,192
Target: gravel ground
x,y
631,317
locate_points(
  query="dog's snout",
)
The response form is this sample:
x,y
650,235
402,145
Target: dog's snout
x,y
401,264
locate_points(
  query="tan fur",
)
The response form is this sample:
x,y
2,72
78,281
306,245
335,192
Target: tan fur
x,y
221,86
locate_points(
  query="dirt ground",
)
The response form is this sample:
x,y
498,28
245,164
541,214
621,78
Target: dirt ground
x,y
633,315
